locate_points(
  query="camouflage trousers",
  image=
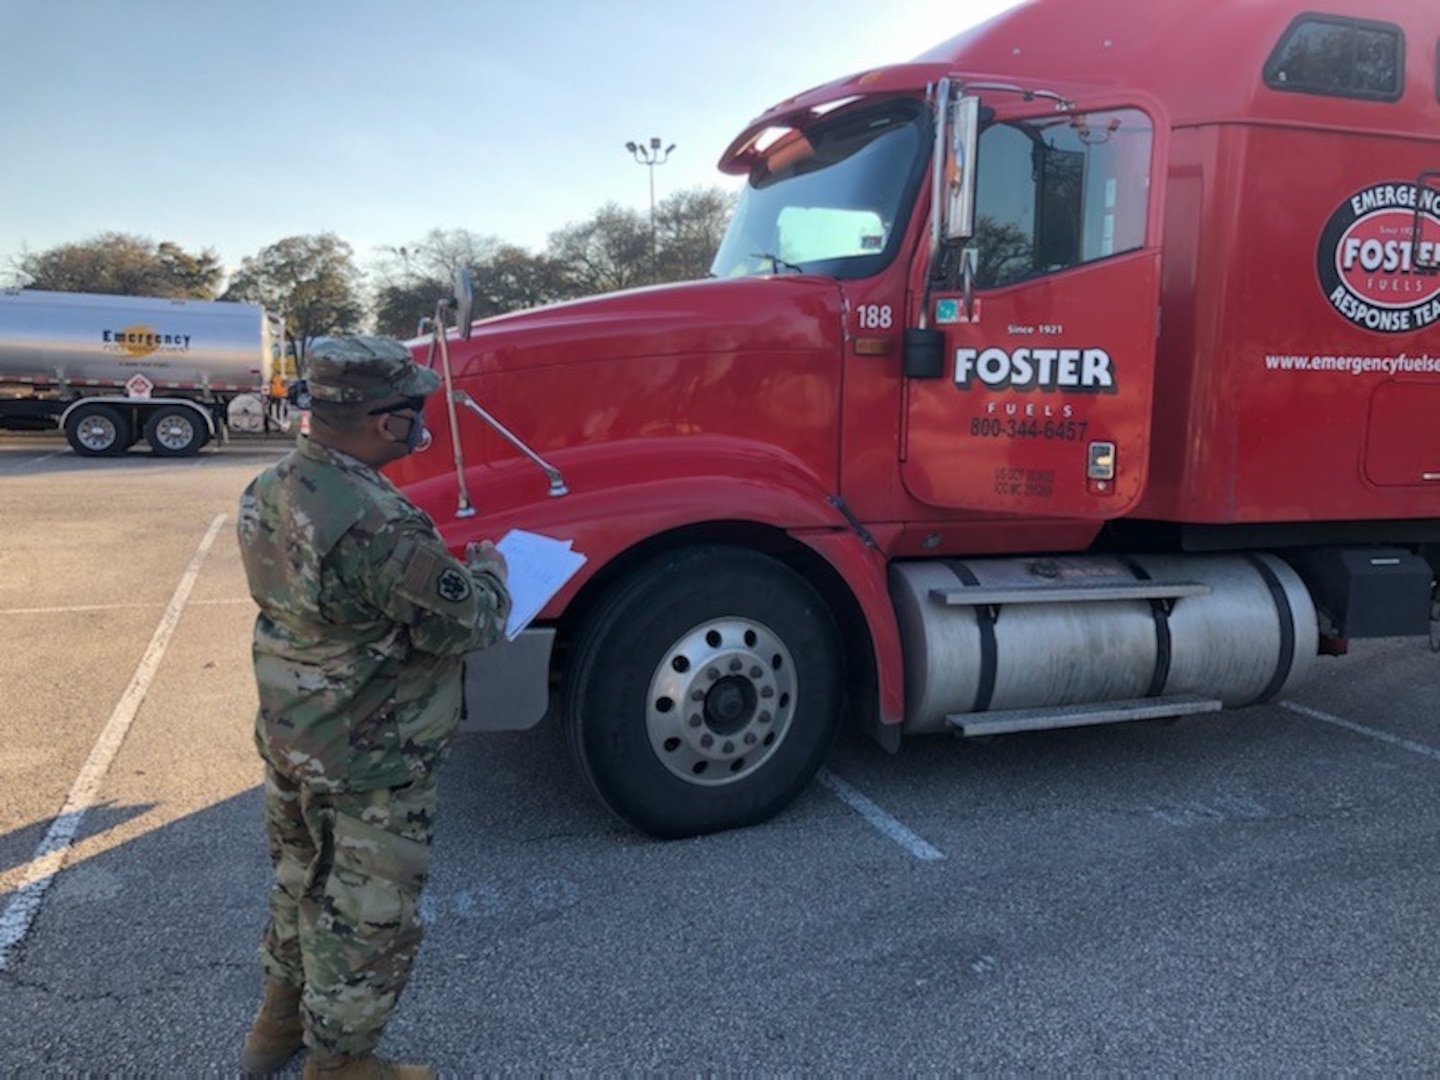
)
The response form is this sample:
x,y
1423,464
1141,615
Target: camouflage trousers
x,y
344,919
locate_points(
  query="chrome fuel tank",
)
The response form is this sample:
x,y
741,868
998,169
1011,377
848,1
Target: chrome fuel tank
x,y
87,340
989,634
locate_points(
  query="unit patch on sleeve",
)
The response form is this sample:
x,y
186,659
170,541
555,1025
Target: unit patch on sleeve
x,y
430,574
452,585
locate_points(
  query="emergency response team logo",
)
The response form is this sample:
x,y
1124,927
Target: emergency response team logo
x,y
1374,269
452,585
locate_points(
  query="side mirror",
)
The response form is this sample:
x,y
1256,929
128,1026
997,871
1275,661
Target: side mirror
x,y
464,302
962,127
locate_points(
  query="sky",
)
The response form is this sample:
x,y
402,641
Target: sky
x,y
231,124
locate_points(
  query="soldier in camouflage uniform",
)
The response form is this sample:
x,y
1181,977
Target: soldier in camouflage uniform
x,y
364,618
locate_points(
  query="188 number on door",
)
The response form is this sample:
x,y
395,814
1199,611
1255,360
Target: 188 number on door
x,y
875,316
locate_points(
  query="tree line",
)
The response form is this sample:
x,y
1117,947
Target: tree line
x,y
318,286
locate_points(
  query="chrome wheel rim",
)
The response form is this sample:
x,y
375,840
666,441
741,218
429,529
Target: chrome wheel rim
x,y
96,433
721,701
175,432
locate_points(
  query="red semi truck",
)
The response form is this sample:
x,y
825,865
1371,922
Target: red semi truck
x,y
1076,372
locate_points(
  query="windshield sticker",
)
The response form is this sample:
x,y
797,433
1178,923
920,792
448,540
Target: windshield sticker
x,y
1076,371
1370,263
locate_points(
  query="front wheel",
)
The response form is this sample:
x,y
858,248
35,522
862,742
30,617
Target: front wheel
x,y
704,691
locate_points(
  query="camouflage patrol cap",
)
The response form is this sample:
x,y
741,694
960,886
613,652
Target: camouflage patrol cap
x,y
366,369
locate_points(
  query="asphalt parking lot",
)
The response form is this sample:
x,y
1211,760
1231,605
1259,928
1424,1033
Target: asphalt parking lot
x,y
1248,893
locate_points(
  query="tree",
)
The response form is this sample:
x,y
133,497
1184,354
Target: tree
x,y
689,226
414,277
610,251
443,252
123,264
197,275
401,305
505,278
513,279
311,281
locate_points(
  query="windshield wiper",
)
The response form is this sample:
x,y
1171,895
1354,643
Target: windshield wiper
x,y
776,262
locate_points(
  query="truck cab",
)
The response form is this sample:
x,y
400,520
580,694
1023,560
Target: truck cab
x,y
1075,372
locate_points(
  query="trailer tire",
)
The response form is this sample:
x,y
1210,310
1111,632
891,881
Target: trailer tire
x,y
98,431
175,431
704,691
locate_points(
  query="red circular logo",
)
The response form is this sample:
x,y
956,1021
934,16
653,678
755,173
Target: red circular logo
x,y
1378,257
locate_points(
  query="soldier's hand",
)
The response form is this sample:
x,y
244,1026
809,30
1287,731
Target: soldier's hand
x,y
485,552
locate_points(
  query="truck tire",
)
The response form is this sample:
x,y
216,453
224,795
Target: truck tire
x,y
97,431
704,691
175,431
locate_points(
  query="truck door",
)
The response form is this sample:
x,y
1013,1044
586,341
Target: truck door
x,y
1049,319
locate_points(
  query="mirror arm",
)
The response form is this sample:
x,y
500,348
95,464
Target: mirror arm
x,y
464,508
557,482
462,305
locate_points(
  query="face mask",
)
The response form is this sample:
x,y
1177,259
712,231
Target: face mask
x,y
417,435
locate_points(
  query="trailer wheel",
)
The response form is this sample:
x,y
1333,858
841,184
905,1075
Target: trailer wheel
x,y
97,430
175,431
704,691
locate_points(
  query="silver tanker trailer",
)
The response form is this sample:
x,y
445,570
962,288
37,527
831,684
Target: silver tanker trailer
x,y
110,370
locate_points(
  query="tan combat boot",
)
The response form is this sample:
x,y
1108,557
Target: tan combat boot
x,y
364,1067
277,1032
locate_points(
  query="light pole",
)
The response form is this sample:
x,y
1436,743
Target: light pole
x,y
650,156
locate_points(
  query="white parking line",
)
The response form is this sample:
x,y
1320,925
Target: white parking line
x,y
1361,729
50,856
879,818
75,608
33,461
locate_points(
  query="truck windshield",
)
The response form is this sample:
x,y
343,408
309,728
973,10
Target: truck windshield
x,y
833,199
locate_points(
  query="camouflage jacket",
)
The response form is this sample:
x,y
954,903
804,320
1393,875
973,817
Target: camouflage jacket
x,y
364,618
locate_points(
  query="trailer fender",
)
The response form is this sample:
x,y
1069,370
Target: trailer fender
x,y
132,416
146,405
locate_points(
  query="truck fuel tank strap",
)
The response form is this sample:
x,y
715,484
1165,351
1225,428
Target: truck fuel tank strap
x,y
1287,627
989,648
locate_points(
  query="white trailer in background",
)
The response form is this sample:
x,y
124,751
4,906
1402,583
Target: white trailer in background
x,y
110,370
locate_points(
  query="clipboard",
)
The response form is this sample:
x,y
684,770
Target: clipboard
x,y
537,568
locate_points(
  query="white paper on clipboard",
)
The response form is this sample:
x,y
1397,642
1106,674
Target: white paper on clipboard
x,y
537,567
